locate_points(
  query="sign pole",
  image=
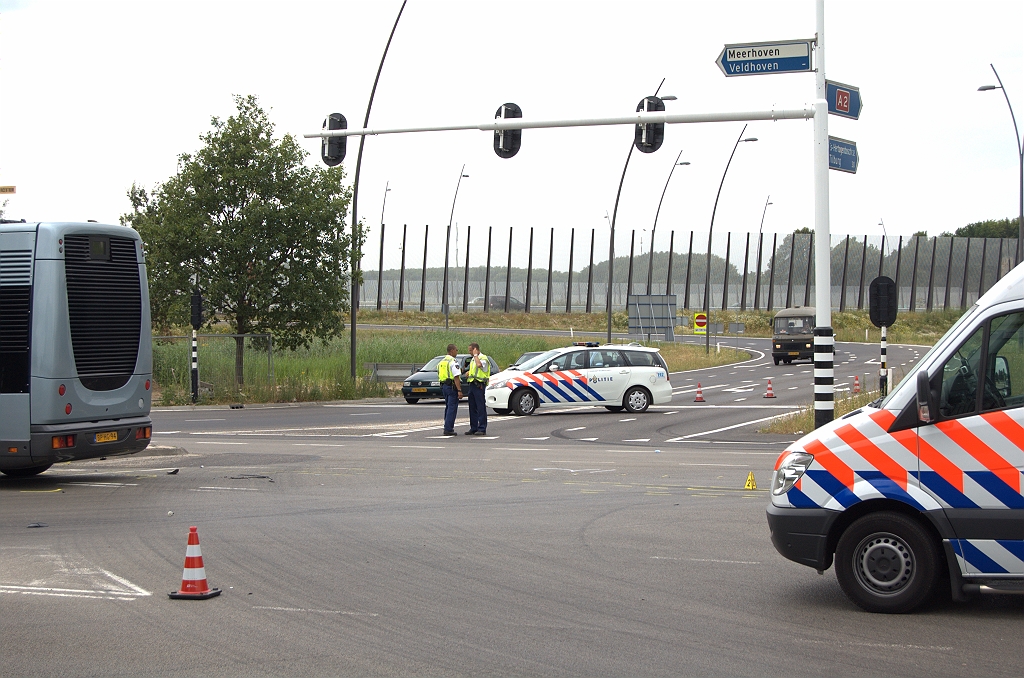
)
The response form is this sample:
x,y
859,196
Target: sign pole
x,y
824,343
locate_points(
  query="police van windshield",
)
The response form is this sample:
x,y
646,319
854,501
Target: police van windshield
x,y
797,325
537,360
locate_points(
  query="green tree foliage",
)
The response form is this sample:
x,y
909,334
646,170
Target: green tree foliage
x,y
263,231
990,228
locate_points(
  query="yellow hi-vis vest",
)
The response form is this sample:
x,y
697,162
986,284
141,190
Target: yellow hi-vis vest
x,y
444,368
477,374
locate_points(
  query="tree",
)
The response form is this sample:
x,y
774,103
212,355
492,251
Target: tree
x,y
990,228
262,231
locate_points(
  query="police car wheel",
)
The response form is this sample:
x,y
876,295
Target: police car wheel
x,y
501,411
412,401
25,472
887,562
613,408
636,400
524,402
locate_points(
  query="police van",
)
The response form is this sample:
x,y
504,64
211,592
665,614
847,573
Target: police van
x,y
620,377
926,483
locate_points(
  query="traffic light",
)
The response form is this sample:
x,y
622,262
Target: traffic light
x,y
648,137
197,309
508,141
332,149
882,298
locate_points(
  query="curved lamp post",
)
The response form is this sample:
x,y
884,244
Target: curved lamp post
x,y
447,243
615,214
1020,157
711,230
650,263
380,264
757,287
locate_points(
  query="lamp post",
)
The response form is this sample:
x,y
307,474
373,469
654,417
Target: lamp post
x,y
650,264
885,236
757,286
447,243
1020,158
615,214
711,229
380,264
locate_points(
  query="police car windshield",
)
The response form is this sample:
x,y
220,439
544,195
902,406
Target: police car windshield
x,y
537,361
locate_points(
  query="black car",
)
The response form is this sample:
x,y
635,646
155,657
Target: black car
x,y
426,384
497,304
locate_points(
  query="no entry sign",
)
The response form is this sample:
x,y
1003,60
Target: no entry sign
x,y
700,323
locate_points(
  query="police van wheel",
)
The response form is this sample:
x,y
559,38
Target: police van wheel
x,y
887,562
613,408
636,400
776,361
524,402
25,472
412,401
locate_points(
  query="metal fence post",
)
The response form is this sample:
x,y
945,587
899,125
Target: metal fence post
x,y
423,278
401,274
551,261
629,276
508,271
771,274
931,274
568,282
810,263
465,276
899,259
487,273
963,285
863,267
949,271
792,256
981,271
380,267
725,275
590,272
671,246
846,265
746,264
757,280
913,276
529,272
686,289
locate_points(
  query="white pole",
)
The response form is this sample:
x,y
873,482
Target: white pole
x,y
824,374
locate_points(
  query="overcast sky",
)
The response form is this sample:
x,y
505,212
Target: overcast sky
x,y
97,95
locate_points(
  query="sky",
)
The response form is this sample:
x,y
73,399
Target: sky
x,y
96,96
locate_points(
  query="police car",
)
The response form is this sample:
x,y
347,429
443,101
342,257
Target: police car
x,y
926,482
620,377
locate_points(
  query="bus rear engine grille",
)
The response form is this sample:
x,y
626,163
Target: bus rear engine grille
x,y
104,309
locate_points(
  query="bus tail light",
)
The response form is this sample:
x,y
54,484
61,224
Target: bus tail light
x,y
67,409
60,442
144,433
61,390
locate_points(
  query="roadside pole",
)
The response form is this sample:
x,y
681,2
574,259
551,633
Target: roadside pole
x,y
824,343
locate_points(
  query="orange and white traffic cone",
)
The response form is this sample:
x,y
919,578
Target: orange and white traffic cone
x,y
700,395
769,393
856,384
193,578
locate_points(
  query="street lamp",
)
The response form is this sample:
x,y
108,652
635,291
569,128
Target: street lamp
x,y
757,287
885,236
380,264
615,214
650,264
711,229
447,243
1020,157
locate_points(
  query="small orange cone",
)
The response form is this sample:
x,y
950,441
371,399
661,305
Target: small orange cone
x,y
193,578
856,384
700,395
769,393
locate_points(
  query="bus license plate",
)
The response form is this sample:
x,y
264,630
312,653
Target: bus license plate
x,y
419,390
794,353
106,437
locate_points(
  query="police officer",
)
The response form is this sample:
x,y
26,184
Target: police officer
x,y
476,377
448,372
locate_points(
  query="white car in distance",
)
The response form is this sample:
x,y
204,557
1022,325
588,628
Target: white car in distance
x,y
626,377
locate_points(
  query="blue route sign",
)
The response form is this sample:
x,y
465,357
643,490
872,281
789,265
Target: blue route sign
x,y
842,155
765,58
843,99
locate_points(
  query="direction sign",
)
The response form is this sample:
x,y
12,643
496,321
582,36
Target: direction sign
x,y
763,58
4,190
842,155
700,323
843,99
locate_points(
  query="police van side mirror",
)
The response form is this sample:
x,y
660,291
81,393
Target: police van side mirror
x,y
926,405
1001,376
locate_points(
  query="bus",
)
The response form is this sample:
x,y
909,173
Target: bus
x,y
76,358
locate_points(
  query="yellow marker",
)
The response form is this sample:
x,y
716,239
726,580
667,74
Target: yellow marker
x,y
751,484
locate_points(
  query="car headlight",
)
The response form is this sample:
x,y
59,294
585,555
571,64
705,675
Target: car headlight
x,y
790,470
807,346
497,384
435,383
778,345
408,383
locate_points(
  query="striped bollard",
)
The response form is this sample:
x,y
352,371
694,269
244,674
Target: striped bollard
x,y
824,376
883,373
195,366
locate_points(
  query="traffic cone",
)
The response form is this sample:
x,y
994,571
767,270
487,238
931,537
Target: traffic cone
x,y
193,578
856,384
769,393
700,395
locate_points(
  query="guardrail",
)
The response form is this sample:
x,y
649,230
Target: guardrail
x,y
385,372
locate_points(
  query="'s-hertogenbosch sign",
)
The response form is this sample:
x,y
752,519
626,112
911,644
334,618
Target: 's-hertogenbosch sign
x,y
763,58
842,155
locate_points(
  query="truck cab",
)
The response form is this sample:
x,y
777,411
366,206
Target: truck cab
x,y
926,484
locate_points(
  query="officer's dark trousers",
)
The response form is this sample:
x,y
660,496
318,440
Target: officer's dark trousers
x,y
477,410
451,406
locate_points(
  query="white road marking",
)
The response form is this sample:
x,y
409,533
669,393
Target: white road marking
x,y
538,438
738,400
637,440
578,428
213,489
195,420
672,412
104,484
316,445
725,428
631,419
589,440
215,442
418,447
164,433
709,560
299,609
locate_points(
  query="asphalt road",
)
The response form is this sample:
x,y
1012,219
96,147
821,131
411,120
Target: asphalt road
x,y
350,539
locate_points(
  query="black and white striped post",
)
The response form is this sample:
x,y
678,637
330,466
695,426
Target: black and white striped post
x,y
883,372
197,321
824,376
